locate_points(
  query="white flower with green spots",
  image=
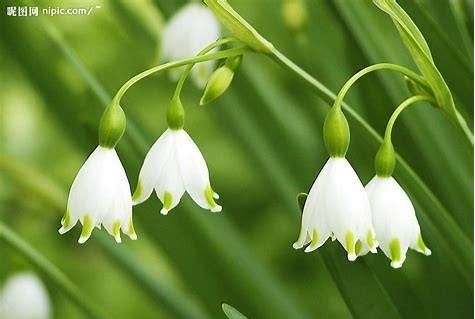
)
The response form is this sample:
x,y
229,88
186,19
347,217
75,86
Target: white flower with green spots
x,y
189,31
337,207
394,220
174,165
100,195
24,297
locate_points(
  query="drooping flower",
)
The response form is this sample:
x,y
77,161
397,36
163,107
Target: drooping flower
x,y
24,297
394,220
100,195
174,165
189,31
337,207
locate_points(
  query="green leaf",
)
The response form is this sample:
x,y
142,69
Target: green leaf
x,y
417,46
238,26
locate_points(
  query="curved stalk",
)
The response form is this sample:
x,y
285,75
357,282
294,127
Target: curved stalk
x,y
162,67
51,271
187,71
405,104
331,98
376,67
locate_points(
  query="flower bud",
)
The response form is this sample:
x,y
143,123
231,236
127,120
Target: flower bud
x,y
112,126
220,80
385,160
294,14
336,133
176,114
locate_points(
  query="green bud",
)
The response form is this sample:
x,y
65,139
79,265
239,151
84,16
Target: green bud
x,y
220,80
294,14
217,84
111,126
176,114
385,160
336,133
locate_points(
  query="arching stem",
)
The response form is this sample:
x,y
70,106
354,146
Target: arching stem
x,y
162,67
375,67
187,70
405,104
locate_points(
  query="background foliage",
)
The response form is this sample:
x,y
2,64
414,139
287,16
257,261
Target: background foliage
x,y
263,145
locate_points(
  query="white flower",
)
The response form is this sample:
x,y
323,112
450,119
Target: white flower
x,y
337,207
175,164
188,32
100,195
24,297
394,220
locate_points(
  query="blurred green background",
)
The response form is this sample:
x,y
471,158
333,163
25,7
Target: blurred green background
x,y
263,144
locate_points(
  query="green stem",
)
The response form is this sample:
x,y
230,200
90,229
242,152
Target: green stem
x,y
187,71
375,67
162,67
406,103
331,98
51,271
327,94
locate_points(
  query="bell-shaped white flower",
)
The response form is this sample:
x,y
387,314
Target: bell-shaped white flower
x,y
338,207
24,297
174,165
189,31
394,220
100,195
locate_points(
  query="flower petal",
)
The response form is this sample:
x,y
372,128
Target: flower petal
x,y
152,166
346,203
195,172
170,187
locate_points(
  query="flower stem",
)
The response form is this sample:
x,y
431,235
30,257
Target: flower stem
x,y
406,103
187,71
375,67
162,67
50,271
331,98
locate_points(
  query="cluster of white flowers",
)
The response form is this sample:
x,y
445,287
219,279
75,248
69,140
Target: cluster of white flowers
x,y
24,297
338,205
100,194
360,218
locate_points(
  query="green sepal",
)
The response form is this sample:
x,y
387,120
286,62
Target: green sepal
x,y
176,114
336,133
239,27
385,160
111,126
231,312
420,52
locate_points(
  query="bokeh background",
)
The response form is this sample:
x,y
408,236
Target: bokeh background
x,y
263,144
